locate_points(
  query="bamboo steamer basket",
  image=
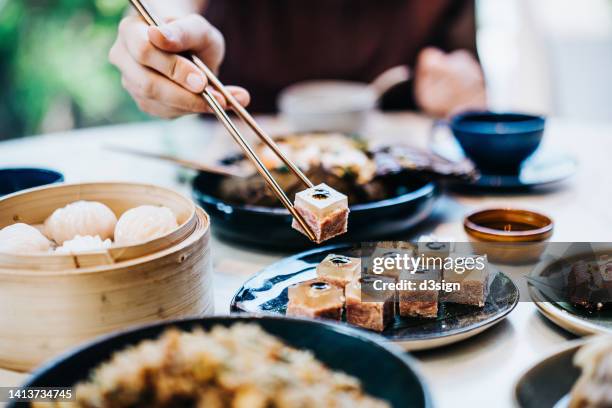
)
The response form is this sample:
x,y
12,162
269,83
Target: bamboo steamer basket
x,y
35,205
49,303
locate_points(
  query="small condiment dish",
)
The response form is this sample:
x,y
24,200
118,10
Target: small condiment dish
x,y
510,236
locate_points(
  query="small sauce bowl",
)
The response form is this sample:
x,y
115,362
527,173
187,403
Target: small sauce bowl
x,y
510,236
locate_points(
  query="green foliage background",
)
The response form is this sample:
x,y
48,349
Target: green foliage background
x,y
56,51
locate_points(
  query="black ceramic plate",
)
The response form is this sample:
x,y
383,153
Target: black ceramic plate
x,y
266,293
385,372
547,384
542,169
270,228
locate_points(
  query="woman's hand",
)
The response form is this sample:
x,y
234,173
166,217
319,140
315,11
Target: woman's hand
x,y
161,82
446,84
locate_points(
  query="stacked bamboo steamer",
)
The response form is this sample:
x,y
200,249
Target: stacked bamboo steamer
x,y
51,302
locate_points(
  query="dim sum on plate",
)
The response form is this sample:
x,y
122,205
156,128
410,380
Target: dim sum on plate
x,y
335,283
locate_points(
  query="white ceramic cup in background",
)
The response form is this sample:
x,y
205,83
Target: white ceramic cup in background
x,y
334,105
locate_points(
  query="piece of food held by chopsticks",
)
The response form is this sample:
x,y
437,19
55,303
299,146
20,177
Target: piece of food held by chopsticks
x,y
325,211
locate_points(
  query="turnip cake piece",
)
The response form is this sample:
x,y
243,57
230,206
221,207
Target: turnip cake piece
x,y
372,315
421,299
339,270
474,280
324,210
316,299
434,253
392,261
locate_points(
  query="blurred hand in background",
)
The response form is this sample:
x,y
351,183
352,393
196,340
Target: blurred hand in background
x,y
446,84
161,82
167,85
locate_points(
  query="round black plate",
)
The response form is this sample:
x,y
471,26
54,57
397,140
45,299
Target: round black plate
x,y
270,228
266,293
385,372
547,384
542,169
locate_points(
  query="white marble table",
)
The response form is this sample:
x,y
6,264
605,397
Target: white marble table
x,y
477,372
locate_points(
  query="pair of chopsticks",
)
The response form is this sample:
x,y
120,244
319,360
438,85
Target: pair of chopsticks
x,y
189,164
146,13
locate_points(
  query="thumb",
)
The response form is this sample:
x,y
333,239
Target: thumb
x,y
432,57
191,33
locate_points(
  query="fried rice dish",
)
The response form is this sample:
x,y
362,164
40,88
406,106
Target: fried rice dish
x,y
239,367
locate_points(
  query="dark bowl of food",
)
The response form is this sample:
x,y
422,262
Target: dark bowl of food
x,y
384,200
237,361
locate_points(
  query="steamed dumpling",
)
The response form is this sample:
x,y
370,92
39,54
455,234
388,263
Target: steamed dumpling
x,y
84,244
22,239
81,218
144,223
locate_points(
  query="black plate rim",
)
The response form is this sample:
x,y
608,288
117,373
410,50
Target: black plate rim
x,y
428,188
369,338
566,347
455,332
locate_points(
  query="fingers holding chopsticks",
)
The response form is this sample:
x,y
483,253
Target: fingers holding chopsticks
x,y
163,83
191,33
158,96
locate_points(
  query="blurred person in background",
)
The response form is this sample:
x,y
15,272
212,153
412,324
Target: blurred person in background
x,y
267,45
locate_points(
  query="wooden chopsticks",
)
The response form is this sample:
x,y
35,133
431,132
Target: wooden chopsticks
x,y
189,164
147,14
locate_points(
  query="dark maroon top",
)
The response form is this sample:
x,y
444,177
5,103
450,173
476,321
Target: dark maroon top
x,y
274,43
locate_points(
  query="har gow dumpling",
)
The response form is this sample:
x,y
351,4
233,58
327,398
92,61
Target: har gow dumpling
x,y
81,218
23,239
144,223
84,244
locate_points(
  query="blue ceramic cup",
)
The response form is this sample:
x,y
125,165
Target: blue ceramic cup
x,y
17,179
498,143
